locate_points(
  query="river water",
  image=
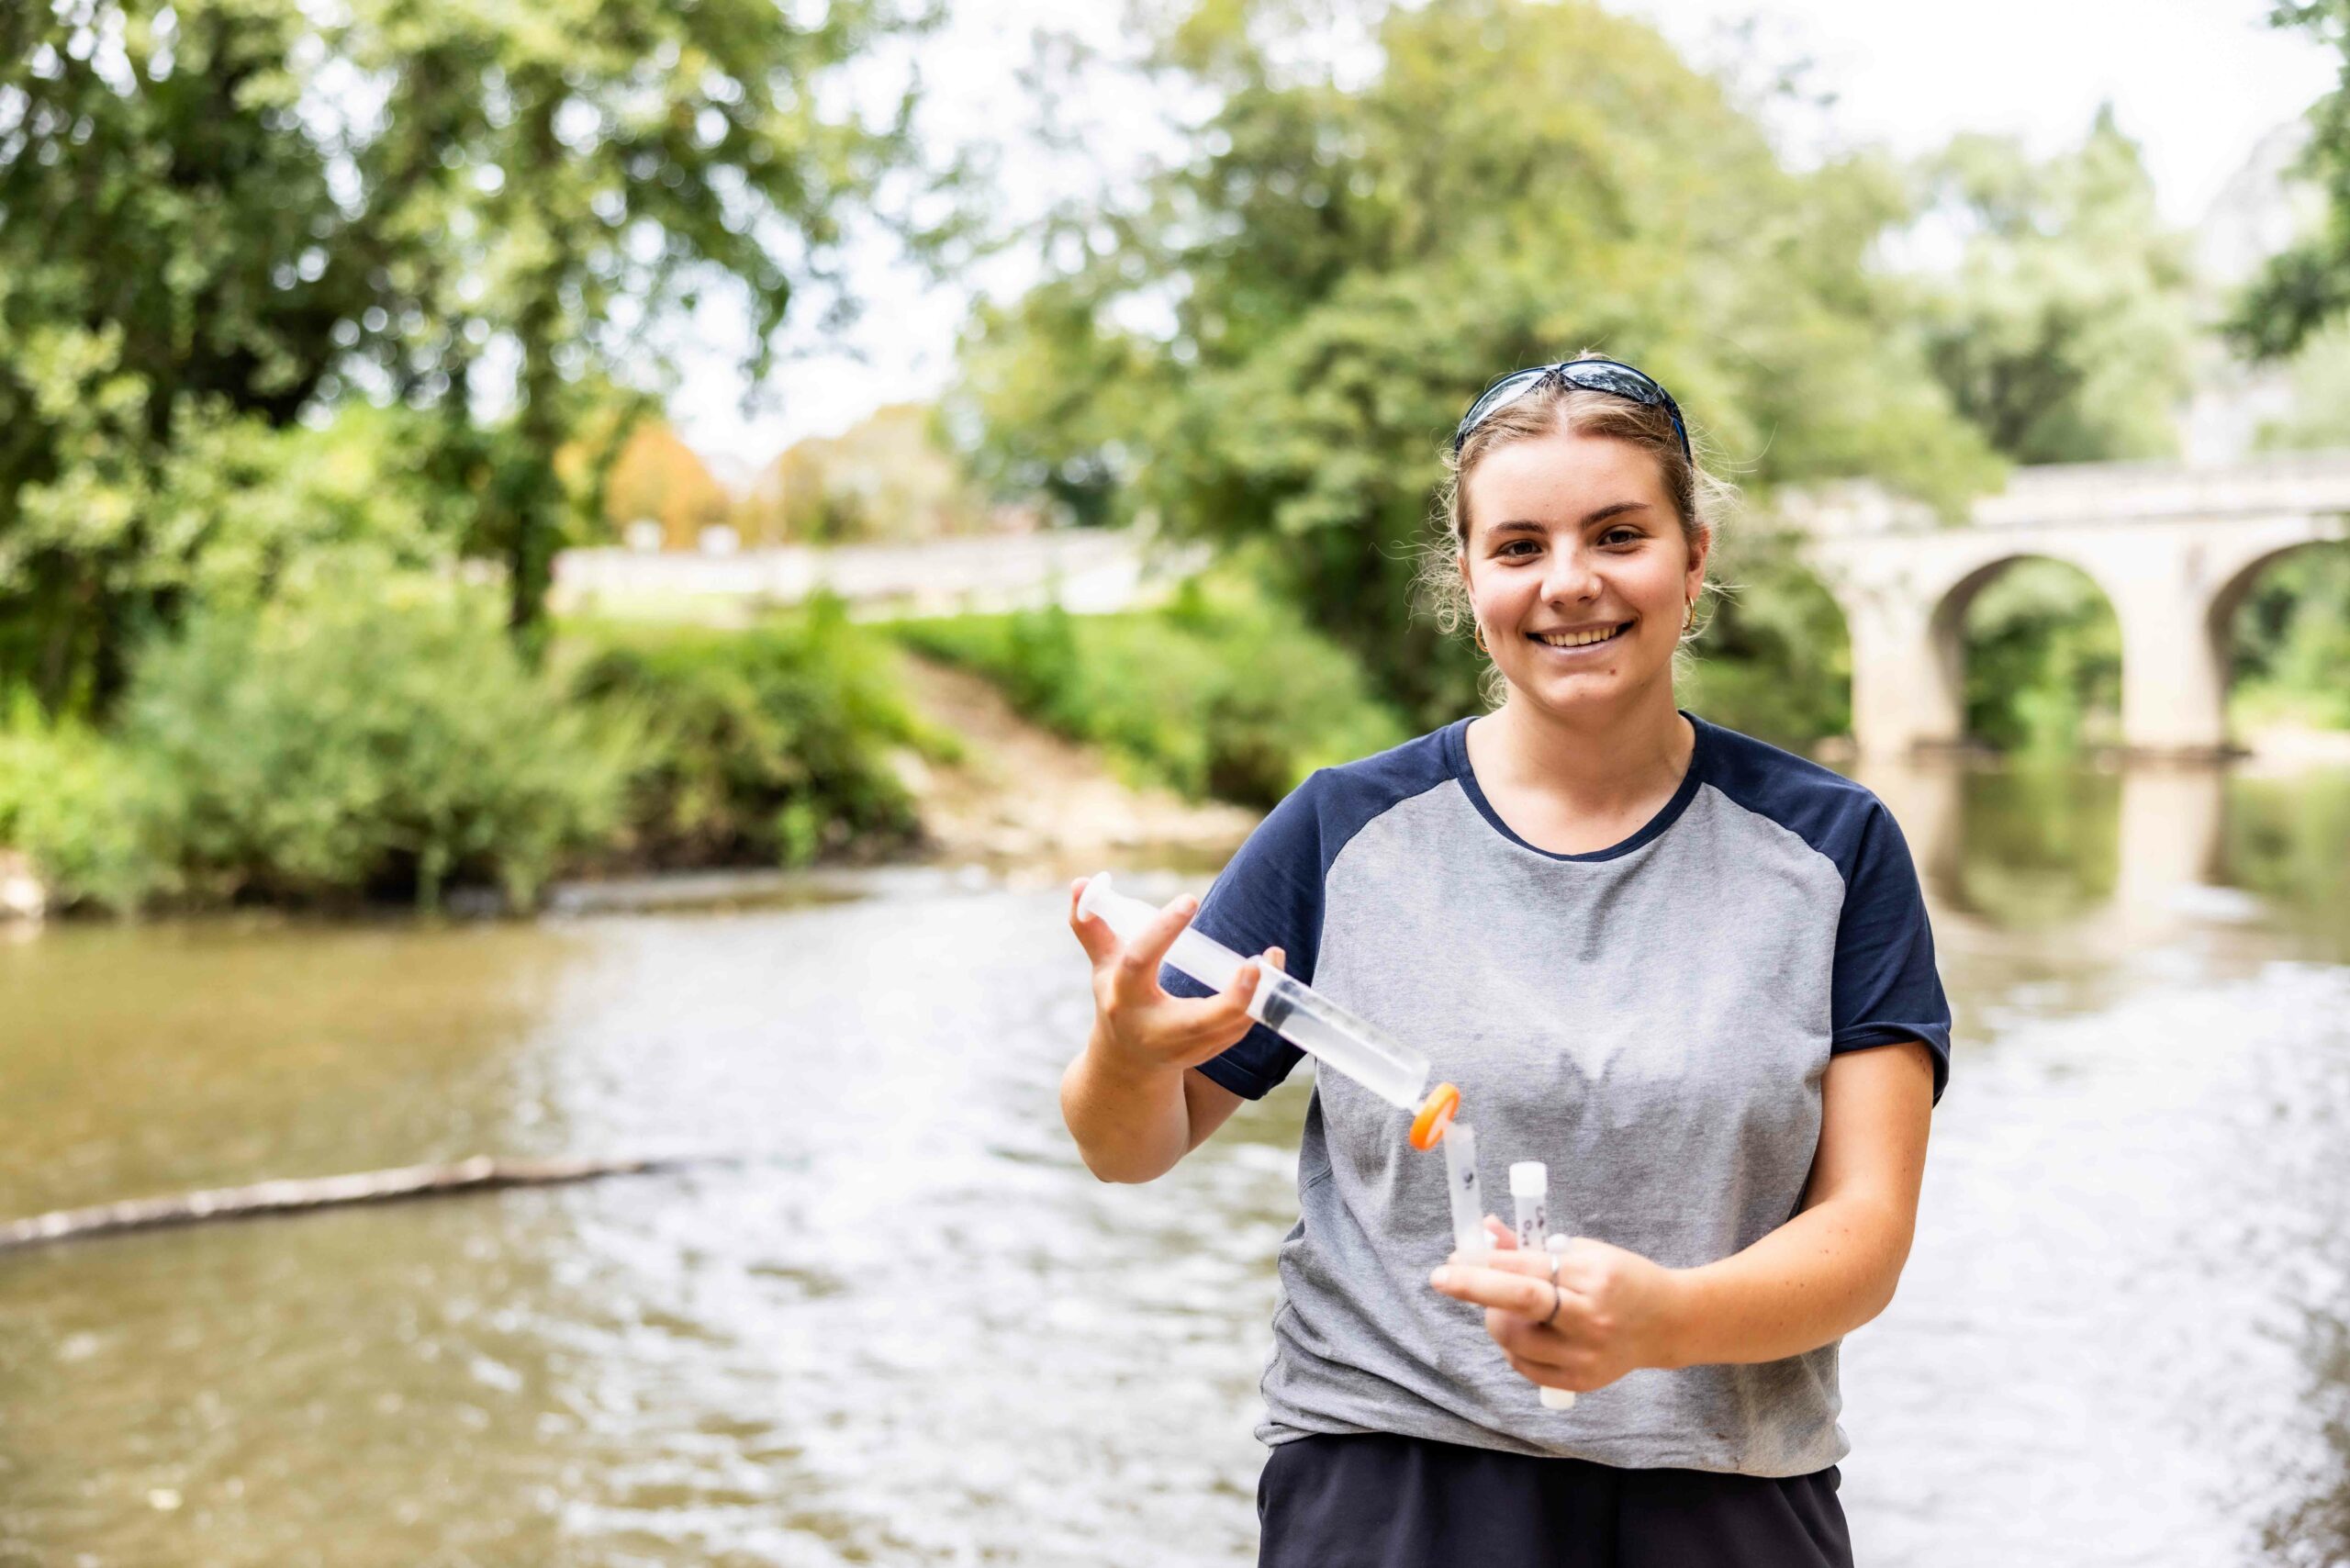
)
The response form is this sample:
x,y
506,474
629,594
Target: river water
x,y
905,1325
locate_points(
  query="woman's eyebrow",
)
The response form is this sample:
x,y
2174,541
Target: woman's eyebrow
x,y
1526,525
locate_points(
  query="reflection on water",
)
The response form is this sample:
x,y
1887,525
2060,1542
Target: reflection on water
x,y
907,1327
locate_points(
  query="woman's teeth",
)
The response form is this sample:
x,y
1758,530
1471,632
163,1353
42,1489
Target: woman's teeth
x,y
1577,639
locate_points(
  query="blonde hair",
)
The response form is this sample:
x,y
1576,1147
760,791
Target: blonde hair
x,y
1556,409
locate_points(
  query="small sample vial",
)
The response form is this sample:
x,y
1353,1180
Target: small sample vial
x,y
1529,1190
1558,1398
1460,1176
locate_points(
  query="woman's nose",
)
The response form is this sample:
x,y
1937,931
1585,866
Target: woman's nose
x,y
1571,576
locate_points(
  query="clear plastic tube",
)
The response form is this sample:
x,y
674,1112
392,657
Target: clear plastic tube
x,y
1468,1202
1300,1014
1557,1398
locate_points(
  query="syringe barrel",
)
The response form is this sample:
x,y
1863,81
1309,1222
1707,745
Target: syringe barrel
x,y
1315,1024
1296,1011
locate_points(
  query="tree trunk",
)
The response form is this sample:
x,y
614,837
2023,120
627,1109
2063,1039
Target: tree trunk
x,y
478,1174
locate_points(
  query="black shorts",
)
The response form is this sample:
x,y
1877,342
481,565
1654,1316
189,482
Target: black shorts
x,y
1377,1501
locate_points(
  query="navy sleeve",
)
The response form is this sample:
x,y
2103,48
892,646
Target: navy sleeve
x,y
1886,990
1269,895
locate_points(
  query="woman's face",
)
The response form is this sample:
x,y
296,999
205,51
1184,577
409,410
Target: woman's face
x,y
1578,571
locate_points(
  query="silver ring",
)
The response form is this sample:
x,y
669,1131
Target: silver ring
x,y
1557,1301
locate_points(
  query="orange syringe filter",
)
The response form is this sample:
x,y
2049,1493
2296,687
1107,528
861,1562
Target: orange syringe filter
x,y
1436,1114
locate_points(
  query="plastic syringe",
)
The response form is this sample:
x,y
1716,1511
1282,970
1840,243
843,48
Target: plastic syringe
x,y
1294,1011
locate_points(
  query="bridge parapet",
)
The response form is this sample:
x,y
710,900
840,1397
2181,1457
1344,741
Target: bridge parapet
x,y
2091,494
1086,571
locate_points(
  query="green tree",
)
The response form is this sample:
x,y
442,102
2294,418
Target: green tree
x,y
2064,329
224,210
888,477
2307,284
1277,340
2044,661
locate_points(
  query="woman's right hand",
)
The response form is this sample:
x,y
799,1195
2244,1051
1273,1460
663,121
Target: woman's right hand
x,y
1134,1020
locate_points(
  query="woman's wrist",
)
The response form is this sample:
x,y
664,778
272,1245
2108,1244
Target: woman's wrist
x,y
1118,1069
1673,1320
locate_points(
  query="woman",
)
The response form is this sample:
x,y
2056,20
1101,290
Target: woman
x,y
1688,971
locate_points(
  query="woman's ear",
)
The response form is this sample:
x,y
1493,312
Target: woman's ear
x,y
1699,549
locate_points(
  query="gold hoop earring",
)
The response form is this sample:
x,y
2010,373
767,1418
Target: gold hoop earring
x,y
1689,621
1478,633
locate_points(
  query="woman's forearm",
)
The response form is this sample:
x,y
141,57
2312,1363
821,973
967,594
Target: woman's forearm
x,y
1131,1122
1809,1282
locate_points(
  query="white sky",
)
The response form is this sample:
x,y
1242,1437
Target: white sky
x,y
2196,82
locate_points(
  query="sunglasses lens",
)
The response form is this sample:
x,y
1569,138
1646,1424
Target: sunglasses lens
x,y
1615,379
1500,392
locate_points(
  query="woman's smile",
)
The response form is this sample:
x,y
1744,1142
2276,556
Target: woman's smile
x,y
1582,641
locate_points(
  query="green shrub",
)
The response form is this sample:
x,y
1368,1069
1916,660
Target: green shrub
x,y
358,736
1220,693
2044,661
83,809
766,746
1775,661
2290,643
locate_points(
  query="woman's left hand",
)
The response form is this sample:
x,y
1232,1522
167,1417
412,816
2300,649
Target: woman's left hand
x,y
1613,1310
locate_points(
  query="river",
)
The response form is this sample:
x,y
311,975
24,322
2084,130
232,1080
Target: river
x,y
905,1325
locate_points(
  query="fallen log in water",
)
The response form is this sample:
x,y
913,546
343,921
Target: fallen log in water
x,y
325,1191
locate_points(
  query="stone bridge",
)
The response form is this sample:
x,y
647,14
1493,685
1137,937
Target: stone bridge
x,y
2174,549
1086,571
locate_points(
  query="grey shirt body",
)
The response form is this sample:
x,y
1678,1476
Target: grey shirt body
x,y
1652,1021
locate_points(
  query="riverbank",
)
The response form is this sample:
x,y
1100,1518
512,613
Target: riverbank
x,y
1021,807
1013,803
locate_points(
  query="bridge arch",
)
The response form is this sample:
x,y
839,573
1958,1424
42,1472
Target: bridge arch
x,y
1908,635
1959,642
2173,548
2222,626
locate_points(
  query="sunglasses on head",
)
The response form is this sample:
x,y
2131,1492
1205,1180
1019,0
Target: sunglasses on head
x,y
1607,375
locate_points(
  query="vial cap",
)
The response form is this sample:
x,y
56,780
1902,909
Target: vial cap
x,y
1529,1179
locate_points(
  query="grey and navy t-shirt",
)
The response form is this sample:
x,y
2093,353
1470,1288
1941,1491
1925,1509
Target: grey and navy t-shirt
x,y
1651,1021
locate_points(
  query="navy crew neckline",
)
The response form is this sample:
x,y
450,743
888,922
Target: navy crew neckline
x,y
1456,754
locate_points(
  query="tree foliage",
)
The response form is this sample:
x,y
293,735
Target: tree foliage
x,y
2064,331
223,213
656,477
889,476
1277,339
2307,284
2044,661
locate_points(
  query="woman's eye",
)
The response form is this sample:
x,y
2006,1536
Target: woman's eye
x,y
1620,536
1515,545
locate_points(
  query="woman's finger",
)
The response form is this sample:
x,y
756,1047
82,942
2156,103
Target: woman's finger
x,y
1572,1376
1093,933
1534,1265
1529,1296
1219,1015
1499,1239
1493,1287
1137,971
